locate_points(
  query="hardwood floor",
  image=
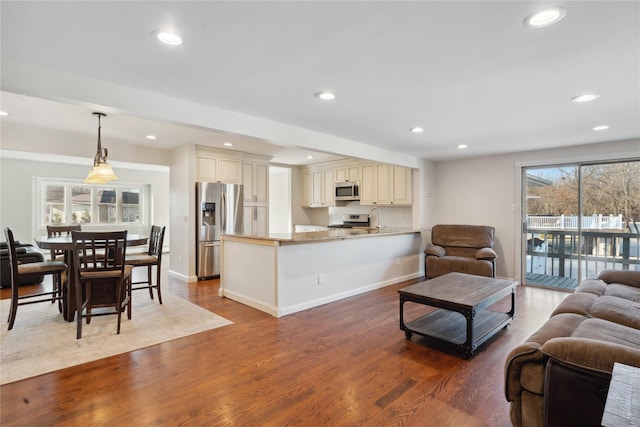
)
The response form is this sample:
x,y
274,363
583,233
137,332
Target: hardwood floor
x,y
342,364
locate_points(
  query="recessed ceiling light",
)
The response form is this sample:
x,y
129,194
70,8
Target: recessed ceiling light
x,y
309,157
462,146
326,96
587,97
168,38
601,127
151,137
417,129
228,144
3,113
545,17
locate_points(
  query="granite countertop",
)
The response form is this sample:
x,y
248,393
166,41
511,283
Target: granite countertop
x,y
332,234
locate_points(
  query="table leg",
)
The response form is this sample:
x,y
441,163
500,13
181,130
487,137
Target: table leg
x,y
69,311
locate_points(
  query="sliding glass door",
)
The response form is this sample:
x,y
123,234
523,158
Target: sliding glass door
x,y
578,220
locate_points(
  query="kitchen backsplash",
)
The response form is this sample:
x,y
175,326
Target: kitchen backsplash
x,y
390,216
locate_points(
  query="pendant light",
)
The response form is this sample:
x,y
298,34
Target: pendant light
x,y
101,172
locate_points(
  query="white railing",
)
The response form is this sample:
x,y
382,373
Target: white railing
x,y
567,222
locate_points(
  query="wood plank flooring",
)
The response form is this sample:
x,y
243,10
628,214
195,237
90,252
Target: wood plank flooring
x,y
342,364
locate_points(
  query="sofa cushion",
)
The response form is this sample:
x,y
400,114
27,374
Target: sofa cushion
x,y
609,332
623,291
578,303
627,277
592,286
618,310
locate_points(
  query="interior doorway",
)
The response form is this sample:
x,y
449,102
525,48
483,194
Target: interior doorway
x,y
578,220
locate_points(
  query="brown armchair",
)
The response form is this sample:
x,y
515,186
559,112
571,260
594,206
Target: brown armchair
x,y
460,248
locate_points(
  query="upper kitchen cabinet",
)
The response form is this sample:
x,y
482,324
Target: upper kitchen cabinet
x,y
255,178
402,188
212,167
318,188
348,173
383,184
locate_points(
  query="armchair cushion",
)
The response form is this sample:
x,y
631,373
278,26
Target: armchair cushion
x,y
486,253
435,250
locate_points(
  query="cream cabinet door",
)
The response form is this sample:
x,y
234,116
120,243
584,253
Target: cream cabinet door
x,y
384,184
402,188
229,171
368,185
328,188
261,182
207,169
316,189
256,220
247,181
307,183
348,174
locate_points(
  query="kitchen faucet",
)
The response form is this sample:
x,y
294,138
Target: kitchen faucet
x,y
375,208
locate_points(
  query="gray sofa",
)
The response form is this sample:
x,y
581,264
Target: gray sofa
x,y
560,375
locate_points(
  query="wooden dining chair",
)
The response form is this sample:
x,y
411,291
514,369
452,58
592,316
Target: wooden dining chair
x,y
55,268
58,254
151,258
102,278
60,230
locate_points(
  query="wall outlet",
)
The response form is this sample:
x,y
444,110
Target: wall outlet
x,y
397,262
320,279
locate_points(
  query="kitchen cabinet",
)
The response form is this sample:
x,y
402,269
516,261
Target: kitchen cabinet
x,y
207,169
218,169
347,174
255,178
383,184
256,220
402,186
229,170
318,188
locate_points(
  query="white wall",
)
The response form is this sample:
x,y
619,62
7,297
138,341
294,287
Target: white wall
x,y
485,191
18,199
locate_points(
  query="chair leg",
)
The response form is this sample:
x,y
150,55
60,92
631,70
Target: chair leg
x,y
149,282
79,303
14,304
158,283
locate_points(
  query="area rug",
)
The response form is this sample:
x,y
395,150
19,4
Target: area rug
x,y
41,341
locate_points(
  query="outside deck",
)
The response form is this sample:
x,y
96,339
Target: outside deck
x,y
559,253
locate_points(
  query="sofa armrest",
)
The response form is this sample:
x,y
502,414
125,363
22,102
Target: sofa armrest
x,y
527,352
590,354
486,253
435,250
625,277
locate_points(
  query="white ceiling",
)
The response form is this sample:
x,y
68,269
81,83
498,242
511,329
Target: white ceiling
x,y
468,72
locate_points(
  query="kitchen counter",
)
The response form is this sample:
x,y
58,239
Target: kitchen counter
x,y
325,235
285,273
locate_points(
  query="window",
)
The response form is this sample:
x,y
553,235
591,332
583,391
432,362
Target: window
x,y
66,202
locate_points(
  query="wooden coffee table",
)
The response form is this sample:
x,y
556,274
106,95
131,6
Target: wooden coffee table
x,y
462,321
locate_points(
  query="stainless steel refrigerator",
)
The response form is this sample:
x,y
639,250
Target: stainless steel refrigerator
x,y
218,210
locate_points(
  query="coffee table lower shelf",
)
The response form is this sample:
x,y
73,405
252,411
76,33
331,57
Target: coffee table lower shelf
x,y
451,328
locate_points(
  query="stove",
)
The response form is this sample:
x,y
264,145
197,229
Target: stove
x,y
352,221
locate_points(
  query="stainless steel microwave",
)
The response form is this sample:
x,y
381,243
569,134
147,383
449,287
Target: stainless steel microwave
x,y
347,191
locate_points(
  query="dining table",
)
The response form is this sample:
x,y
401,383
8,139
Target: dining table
x,y
64,243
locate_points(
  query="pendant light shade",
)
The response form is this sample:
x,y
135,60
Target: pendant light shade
x,y
102,171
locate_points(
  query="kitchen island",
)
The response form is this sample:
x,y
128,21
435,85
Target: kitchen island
x,y
282,274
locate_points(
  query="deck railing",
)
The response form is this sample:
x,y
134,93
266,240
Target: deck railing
x,y
568,222
562,253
